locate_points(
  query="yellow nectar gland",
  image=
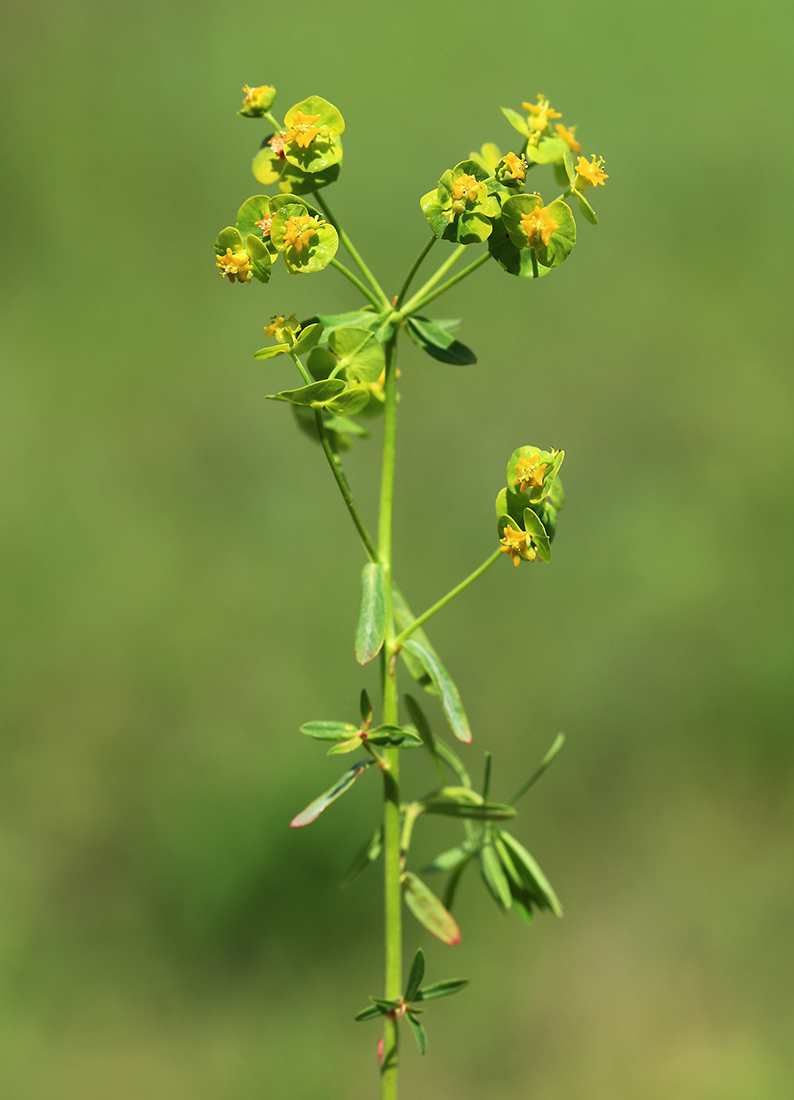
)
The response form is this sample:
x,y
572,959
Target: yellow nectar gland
x,y
236,266
277,143
303,131
540,113
539,227
299,231
590,173
568,136
530,473
466,188
517,545
517,166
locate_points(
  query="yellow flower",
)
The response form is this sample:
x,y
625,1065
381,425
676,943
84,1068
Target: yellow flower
x,y
236,266
466,188
538,226
299,231
568,136
281,328
303,131
540,113
259,99
517,166
589,173
530,473
517,545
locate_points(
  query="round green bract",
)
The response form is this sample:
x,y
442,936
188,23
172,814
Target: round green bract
x,y
550,150
228,238
323,151
359,353
552,463
330,116
314,256
515,261
296,182
512,212
562,239
259,256
267,166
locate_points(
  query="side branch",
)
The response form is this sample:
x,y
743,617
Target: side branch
x,y
398,641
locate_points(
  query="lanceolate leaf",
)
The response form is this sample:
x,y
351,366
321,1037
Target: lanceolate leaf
x,y
329,731
419,1032
429,741
438,343
494,876
450,699
559,741
371,1013
441,989
488,811
428,910
368,854
415,977
371,629
536,882
314,809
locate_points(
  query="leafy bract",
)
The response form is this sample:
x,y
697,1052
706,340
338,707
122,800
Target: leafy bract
x,y
358,352
428,910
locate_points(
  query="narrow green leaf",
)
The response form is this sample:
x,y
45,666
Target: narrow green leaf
x,y
442,989
428,910
404,617
535,880
422,725
516,120
486,780
328,731
450,699
448,860
314,809
453,881
351,745
415,977
419,1032
394,735
367,856
559,741
371,629
272,351
494,877
490,811
365,707
371,1013
387,1006
317,393
450,757
438,343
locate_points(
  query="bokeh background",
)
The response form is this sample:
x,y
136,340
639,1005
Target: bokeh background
x,y
180,580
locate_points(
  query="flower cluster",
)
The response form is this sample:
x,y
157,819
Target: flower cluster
x,y
526,509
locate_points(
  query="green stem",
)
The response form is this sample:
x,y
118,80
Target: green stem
x,y
417,264
273,122
336,470
398,641
373,282
391,778
419,303
354,279
439,275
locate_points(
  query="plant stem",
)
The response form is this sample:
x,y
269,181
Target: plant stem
x,y
398,641
417,264
416,304
336,470
373,282
431,282
354,279
391,778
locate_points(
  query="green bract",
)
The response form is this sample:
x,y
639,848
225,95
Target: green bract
x,y
460,208
562,239
311,138
254,250
526,459
306,242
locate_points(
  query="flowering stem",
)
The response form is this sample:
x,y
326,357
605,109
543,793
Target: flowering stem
x,y
354,279
273,122
391,788
373,282
431,282
417,303
398,641
565,194
336,470
417,264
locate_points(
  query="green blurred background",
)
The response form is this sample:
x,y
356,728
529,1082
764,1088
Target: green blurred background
x,y
181,581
